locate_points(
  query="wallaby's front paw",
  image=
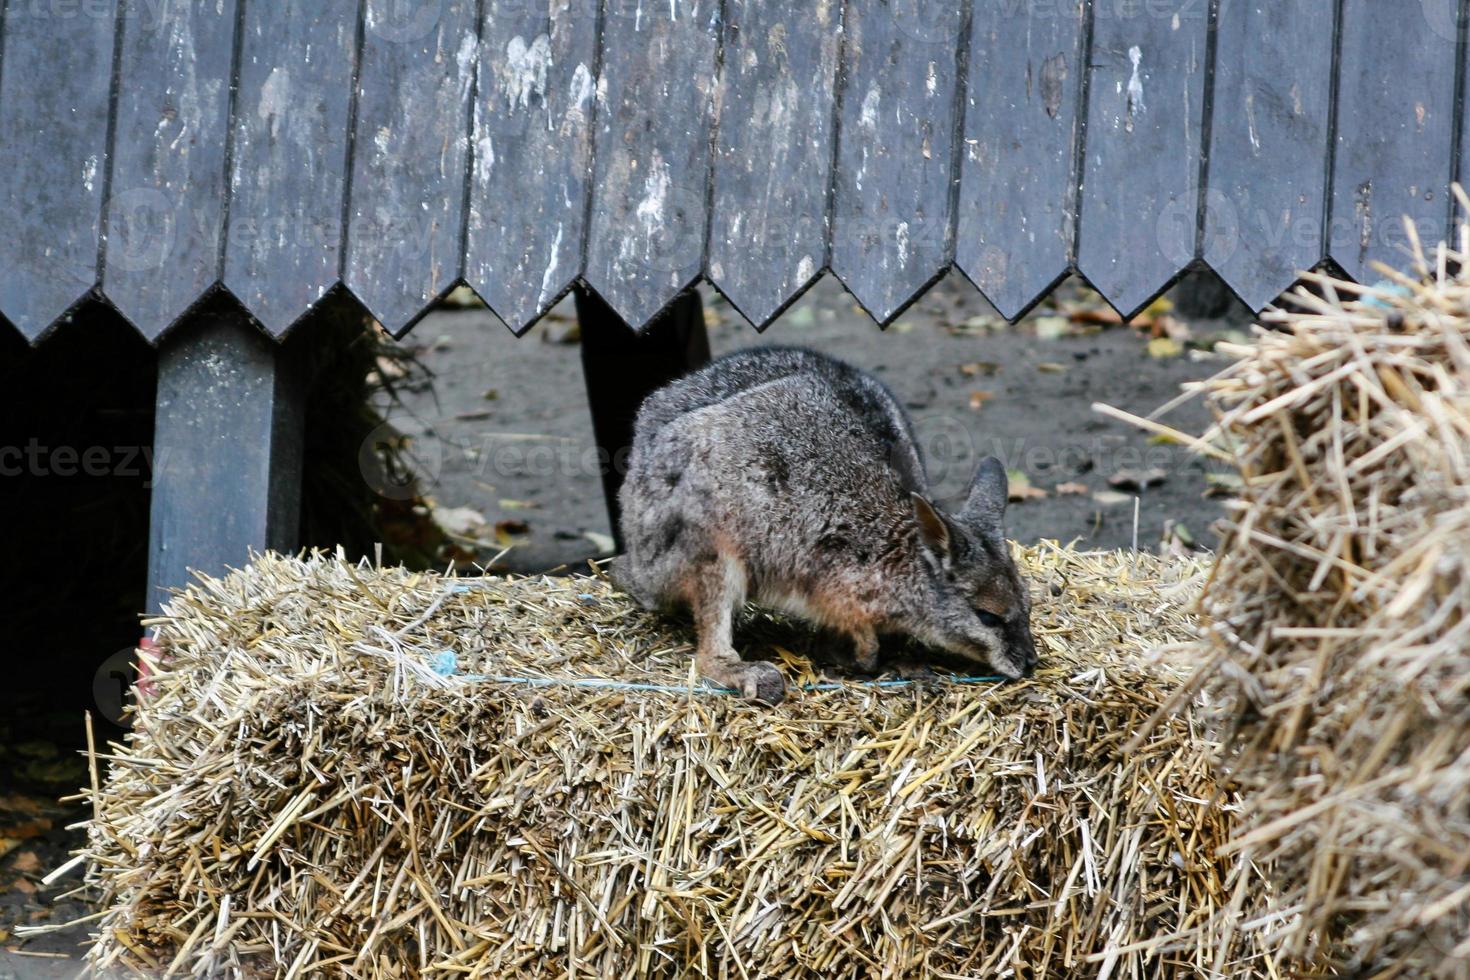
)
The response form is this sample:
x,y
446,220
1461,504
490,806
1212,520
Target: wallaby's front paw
x,y
913,670
761,681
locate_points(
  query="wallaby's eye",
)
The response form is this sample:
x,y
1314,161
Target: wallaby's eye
x,y
990,619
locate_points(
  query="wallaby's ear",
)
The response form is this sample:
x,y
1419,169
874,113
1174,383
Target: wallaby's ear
x,y
931,527
985,507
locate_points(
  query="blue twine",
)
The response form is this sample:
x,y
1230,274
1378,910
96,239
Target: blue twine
x,y
1385,286
444,664
601,683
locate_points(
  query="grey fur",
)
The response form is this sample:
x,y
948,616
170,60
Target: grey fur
x,y
788,477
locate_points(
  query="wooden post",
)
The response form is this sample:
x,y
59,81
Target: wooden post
x,y
622,367
226,450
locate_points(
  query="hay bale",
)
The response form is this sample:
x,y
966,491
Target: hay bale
x,y
1337,619
305,790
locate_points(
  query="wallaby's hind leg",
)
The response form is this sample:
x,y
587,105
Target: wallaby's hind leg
x,y
715,591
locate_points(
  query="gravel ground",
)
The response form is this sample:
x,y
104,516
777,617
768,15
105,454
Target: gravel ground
x,y
505,434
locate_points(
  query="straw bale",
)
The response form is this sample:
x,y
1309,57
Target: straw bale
x,y
306,791
1338,628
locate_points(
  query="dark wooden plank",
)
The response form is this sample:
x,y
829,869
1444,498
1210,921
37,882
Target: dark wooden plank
x,y
773,157
1014,236
653,153
226,450
54,74
1268,144
1140,190
532,154
168,160
1395,125
288,157
892,228
407,193
623,367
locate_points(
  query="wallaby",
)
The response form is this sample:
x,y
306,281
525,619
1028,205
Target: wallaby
x,y
791,478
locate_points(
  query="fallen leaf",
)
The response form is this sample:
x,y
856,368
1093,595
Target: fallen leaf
x,y
26,863
1111,498
1093,314
902,326
1137,479
602,542
1223,484
979,323
1160,305
463,521
1171,327
800,317
507,503
475,415
974,368
463,297
1052,327
1178,541
491,394
1051,367
510,532
979,398
1071,489
1021,488
390,369
570,333
1164,347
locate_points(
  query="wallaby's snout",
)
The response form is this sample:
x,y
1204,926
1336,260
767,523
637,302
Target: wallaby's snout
x,y
976,604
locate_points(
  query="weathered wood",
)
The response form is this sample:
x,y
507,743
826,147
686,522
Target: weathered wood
x,y
773,156
1269,144
1395,125
289,157
623,366
226,450
532,137
167,196
653,153
1140,186
1016,216
55,65
892,227
406,199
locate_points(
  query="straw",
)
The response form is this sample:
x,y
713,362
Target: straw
x,y
1338,624
316,786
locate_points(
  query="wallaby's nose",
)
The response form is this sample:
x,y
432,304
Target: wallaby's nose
x,y
1028,657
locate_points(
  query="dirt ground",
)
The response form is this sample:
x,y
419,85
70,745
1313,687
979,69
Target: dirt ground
x,y
505,444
